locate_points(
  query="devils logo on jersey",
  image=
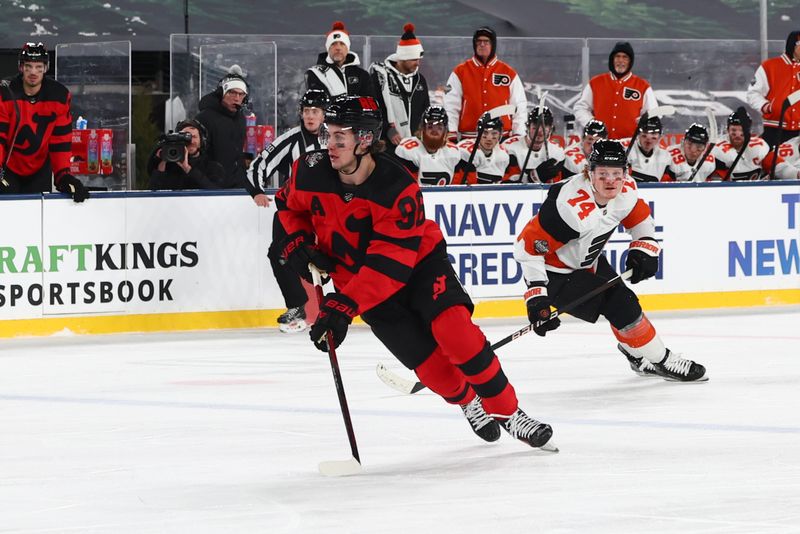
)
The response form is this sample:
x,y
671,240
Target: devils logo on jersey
x,y
501,80
29,140
311,159
629,93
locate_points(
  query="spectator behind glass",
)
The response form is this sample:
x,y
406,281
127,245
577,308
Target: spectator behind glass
x,y
338,70
194,171
222,113
618,97
402,89
481,84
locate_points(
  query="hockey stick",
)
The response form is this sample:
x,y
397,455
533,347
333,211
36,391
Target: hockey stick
x,y
351,466
409,387
539,122
658,111
494,113
712,141
790,101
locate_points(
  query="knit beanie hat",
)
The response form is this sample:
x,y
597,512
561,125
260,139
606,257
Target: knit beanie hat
x,y
337,35
409,46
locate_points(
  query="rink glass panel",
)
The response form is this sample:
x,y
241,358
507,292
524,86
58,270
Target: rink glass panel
x,y
99,77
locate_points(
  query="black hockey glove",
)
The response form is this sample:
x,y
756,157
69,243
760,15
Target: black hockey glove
x,y
538,304
298,251
642,259
548,170
73,187
336,312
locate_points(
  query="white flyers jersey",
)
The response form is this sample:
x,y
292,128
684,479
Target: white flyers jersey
x,y
648,168
571,230
789,152
681,170
750,164
517,149
430,169
489,169
574,159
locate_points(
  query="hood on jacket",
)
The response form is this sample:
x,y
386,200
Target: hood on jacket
x,y
791,42
213,100
625,48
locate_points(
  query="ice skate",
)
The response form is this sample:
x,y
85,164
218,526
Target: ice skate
x,y
677,369
293,320
484,426
640,366
527,429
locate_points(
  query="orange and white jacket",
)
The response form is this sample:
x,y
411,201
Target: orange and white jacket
x,y
617,102
775,79
474,88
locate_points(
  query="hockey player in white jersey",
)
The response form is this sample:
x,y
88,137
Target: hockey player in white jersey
x,y
429,156
648,161
756,160
534,157
576,155
491,160
789,152
685,156
560,254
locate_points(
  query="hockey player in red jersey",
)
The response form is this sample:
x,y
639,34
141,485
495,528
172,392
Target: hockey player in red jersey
x,y
358,215
560,253
36,130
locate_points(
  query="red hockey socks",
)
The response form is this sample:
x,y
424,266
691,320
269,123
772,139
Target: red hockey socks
x,y
466,347
444,378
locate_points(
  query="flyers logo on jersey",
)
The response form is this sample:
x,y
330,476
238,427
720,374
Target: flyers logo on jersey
x,y
629,93
501,80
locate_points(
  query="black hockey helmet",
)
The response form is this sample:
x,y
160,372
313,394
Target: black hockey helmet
x,y
740,117
486,122
197,125
697,133
533,116
607,153
435,115
651,125
485,31
314,98
595,128
34,52
361,113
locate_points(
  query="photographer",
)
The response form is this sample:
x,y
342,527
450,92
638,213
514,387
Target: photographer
x,y
179,160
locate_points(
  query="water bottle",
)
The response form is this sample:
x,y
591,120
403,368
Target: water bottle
x,y
106,152
92,155
251,142
81,123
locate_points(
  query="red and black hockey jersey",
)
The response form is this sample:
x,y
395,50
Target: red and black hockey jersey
x,y
40,127
376,232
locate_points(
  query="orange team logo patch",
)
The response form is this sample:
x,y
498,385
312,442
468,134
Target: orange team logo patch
x,y
439,286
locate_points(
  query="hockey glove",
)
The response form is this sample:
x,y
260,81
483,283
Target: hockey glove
x,y
336,312
548,170
73,187
642,259
298,251
538,304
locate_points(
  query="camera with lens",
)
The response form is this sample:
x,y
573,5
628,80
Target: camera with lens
x,y
173,146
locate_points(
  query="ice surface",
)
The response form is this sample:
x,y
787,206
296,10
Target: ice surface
x,y
223,432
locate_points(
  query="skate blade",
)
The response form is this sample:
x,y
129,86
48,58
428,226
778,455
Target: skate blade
x,y
698,381
294,327
340,468
549,447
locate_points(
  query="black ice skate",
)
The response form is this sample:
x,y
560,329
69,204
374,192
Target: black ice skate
x,y
640,366
678,369
293,320
484,426
527,429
